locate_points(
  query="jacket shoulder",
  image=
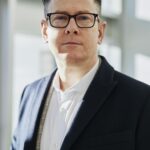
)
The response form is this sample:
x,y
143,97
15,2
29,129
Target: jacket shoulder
x,y
39,83
131,85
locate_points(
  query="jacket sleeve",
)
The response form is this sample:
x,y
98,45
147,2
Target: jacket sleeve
x,y
143,130
15,138
14,141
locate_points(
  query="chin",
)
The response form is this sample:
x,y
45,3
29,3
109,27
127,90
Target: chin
x,y
72,58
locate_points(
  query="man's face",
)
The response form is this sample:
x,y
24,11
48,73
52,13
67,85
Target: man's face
x,y
73,44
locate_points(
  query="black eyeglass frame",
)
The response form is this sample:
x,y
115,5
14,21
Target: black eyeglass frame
x,y
72,16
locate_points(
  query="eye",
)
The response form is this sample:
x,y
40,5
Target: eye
x,y
83,17
60,17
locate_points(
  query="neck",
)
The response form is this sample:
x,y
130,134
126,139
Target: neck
x,y
71,74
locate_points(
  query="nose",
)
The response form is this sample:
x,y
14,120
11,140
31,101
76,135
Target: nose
x,y
72,27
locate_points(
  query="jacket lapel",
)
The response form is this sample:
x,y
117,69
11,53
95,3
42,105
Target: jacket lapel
x,y
96,95
39,99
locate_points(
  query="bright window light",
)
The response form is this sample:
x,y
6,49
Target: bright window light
x,y
111,8
112,54
142,9
142,68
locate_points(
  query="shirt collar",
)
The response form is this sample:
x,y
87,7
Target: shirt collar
x,y
80,86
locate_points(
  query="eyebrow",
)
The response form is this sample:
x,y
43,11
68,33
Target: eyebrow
x,y
78,12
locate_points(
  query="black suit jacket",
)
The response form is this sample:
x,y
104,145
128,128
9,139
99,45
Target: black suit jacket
x,y
115,114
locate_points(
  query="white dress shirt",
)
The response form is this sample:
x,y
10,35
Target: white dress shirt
x,y
62,110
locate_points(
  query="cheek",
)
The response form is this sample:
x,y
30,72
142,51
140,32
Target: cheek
x,y
58,41
92,38
53,38
95,33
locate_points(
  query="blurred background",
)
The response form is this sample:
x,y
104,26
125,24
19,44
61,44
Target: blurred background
x,y
24,57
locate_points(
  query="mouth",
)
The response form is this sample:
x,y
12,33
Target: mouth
x,y
72,43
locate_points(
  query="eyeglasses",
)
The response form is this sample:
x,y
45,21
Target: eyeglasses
x,y
83,20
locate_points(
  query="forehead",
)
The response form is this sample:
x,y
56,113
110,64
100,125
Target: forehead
x,y
73,6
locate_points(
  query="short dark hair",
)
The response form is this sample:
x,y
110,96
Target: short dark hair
x,y
46,2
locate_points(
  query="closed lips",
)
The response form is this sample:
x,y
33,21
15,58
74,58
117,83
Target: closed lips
x,y
73,43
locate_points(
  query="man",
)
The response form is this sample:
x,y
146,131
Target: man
x,y
84,104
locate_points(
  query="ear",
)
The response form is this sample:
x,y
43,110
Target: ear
x,y
44,27
101,28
